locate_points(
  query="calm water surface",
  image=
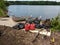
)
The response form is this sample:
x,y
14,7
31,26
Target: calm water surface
x,y
46,11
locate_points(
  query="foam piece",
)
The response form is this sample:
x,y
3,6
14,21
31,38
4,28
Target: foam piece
x,y
43,32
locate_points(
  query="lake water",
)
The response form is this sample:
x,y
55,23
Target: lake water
x,y
46,11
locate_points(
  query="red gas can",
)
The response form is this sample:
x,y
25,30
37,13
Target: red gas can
x,y
32,26
27,26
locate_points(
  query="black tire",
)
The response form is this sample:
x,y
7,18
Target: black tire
x,y
21,26
37,26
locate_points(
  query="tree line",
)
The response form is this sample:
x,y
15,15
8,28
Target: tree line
x,y
32,3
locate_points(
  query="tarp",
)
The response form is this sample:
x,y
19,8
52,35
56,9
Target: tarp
x,y
7,22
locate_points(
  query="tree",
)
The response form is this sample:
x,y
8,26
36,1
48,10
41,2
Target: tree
x,y
3,10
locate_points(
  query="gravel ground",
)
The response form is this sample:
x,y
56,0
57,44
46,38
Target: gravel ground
x,y
12,36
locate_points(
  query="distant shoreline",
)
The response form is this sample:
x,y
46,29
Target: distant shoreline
x,y
32,3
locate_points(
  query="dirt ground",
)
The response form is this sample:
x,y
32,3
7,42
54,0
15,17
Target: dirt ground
x,y
12,36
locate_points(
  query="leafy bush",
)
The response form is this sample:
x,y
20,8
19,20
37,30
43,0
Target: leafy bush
x,y
55,23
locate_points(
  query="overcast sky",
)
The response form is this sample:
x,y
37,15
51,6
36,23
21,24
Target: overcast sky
x,y
35,0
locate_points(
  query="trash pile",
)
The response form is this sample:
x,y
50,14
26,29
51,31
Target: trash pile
x,y
34,25
31,32
10,36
